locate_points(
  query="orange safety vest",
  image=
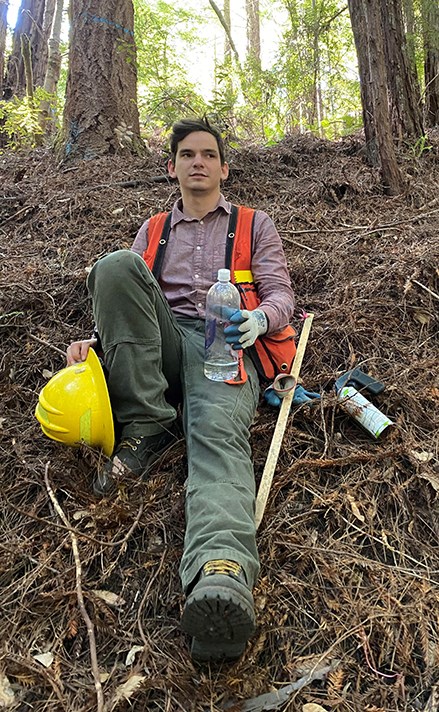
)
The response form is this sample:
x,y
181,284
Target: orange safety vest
x,y
272,354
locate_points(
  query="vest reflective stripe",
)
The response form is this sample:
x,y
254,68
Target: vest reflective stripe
x,y
243,275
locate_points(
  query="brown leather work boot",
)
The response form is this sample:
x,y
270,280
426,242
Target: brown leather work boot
x,y
219,612
134,456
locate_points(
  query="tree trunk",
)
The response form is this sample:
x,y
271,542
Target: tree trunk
x,y
390,173
4,4
404,92
228,21
27,62
358,22
253,33
53,64
410,34
226,28
100,113
40,63
430,24
29,23
318,99
226,81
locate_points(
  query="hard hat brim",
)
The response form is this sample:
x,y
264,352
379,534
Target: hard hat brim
x,y
102,389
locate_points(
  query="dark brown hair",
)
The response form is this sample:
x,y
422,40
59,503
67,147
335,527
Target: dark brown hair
x,y
187,126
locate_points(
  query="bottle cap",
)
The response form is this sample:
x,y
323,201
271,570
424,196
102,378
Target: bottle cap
x,y
224,275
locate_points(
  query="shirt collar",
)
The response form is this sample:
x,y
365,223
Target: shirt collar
x,y
178,214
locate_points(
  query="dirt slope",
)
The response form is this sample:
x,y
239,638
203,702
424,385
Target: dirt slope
x,y
349,543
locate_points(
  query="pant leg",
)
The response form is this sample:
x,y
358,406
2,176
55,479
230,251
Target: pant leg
x,y
220,497
141,341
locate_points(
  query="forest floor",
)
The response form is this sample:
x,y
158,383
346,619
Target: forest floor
x,y
348,596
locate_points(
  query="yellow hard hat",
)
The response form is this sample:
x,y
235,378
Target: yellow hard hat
x,y
74,406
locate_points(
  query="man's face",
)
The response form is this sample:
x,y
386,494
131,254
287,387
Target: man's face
x,y
197,164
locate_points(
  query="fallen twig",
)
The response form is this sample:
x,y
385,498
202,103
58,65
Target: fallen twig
x,y
371,228
430,291
79,594
46,343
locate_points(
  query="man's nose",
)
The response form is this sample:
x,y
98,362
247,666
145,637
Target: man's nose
x,y
198,159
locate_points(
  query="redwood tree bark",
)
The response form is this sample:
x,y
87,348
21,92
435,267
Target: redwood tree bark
x,y
100,112
40,60
359,29
53,65
390,173
29,23
402,83
430,23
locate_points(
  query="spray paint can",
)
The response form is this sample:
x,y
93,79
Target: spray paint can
x,y
364,412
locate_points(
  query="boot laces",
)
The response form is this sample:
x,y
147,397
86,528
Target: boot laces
x,y
131,442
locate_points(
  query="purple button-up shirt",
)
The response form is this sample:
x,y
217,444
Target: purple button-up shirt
x,y
196,251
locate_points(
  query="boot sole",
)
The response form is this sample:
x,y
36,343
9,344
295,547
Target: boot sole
x,y
220,618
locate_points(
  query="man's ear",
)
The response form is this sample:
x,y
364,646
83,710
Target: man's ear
x,y
224,171
171,169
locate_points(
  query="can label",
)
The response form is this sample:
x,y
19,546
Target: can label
x,y
363,411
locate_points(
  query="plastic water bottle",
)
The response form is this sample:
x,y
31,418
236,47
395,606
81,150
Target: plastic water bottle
x,y
220,359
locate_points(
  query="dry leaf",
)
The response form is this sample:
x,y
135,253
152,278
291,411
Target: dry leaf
x,y
116,211
45,659
355,511
132,654
7,696
422,317
80,514
312,707
125,691
422,456
109,597
103,676
431,478
47,373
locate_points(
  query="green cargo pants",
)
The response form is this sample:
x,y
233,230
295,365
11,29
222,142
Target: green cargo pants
x,y
154,361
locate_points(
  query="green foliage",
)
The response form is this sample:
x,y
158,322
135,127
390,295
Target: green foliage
x,y
165,37
421,146
311,85
318,88
20,119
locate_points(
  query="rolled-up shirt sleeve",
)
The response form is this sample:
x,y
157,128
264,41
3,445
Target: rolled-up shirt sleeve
x,y
270,273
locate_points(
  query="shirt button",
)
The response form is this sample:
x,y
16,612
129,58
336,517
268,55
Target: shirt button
x,y
197,276
200,304
201,222
198,247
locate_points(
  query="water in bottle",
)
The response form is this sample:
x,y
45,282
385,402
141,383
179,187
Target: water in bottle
x,y
220,360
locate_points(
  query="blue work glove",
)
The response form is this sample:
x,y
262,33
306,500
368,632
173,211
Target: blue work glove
x,y
276,391
245,327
